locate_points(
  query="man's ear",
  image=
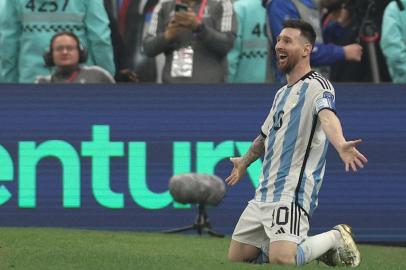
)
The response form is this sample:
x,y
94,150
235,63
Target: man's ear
x,y
307,49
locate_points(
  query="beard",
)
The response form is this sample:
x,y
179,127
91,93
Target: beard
x,y
286,68
289,64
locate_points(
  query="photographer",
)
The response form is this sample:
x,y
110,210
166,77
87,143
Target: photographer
x,y
195,36
323,54
355,21
393,41
65,54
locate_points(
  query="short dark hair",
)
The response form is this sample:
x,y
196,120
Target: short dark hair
x,y
65,33
306,29
48,58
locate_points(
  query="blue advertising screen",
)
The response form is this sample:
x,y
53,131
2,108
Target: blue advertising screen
x,y
101,156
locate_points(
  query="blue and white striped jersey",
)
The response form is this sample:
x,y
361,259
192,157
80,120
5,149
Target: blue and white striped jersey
x,y
296,145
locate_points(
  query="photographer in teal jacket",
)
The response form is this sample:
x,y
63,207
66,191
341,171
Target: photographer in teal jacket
x,y
393,41
27,27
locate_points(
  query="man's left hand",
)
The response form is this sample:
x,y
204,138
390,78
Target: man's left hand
x,y
351,157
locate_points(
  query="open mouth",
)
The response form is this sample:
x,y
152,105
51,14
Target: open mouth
x,y
282,57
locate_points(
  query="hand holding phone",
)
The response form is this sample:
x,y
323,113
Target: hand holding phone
x,y
179,7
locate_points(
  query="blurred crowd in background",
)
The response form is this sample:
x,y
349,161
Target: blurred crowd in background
x,y
204,41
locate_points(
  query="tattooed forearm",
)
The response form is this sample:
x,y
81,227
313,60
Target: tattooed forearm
x,y
256,150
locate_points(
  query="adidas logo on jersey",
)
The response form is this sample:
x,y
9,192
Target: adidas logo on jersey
x,y
280,231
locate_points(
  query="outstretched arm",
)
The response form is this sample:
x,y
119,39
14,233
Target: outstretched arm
x,y
346,149
241,164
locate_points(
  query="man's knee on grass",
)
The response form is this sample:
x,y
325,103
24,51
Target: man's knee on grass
x,y
234,256
239,252
283,258
241,256
283,252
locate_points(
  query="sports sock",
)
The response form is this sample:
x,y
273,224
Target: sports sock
x,y
263,253
261,259
315,246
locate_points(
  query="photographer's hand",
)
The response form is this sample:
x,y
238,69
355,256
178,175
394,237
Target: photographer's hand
x,y
173,30
187,19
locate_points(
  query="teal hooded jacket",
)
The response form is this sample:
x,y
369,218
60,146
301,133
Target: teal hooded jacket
x,y
393,41
27,26
247,61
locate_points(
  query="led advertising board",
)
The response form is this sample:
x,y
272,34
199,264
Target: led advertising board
x,y
100,156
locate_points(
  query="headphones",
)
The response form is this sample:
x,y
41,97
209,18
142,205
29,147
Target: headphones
x,y
48,58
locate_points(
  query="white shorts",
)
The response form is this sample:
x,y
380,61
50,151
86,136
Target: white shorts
x,y
263,222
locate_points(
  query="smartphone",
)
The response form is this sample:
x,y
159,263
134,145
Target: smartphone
x,y
181,7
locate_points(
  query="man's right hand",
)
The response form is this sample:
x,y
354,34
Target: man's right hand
x,y
238,171
173,30
353,52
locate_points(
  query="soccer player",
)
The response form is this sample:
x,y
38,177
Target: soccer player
x,y
294,140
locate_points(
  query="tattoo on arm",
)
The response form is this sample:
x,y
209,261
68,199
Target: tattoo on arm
x,y
256,150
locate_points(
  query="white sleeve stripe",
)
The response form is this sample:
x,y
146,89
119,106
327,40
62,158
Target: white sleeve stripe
x,y
329,86
325,80
314,77
226,21
324,83
154,21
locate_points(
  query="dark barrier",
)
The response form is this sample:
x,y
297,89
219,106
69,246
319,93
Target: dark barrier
x,y
101,156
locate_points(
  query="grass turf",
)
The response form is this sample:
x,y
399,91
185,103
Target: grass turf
x,y
44,248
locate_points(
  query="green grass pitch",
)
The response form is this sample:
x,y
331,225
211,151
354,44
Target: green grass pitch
x,y
59,249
